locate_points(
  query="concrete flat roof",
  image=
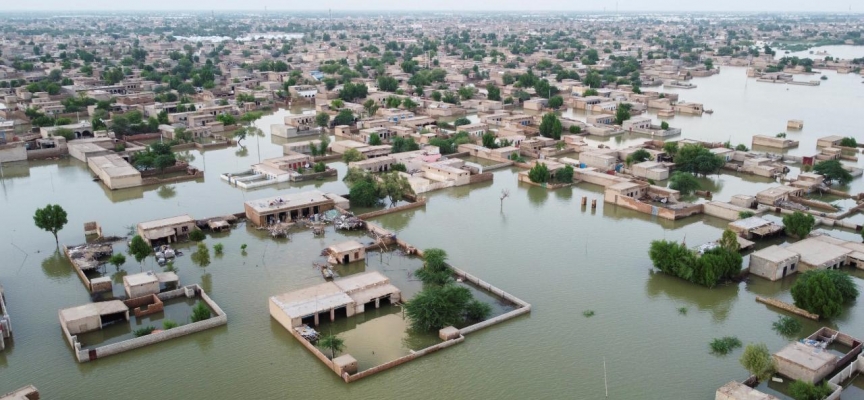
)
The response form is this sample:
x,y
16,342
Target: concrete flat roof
x,y
113,165
806,356
356,282
748,223
312,300
139,279
288,200
817,252
161,223
739,391
778,191
349,245
93,309
775,254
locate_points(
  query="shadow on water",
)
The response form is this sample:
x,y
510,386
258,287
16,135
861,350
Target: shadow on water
x,y
398,221
536,195
56,266
718,301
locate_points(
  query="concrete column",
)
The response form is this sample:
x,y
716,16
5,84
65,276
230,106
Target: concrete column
x,y
377,303
332,314
316,319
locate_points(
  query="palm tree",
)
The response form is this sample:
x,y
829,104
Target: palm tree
x,y
332,342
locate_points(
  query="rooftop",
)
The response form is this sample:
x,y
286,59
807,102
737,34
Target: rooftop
x,y
288,200
139,279
808,357
114,165
750,223
817,252
165,222
93,309
349,245
775,254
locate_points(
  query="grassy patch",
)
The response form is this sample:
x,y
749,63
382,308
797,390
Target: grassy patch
x,y
786,326
588,313
724,345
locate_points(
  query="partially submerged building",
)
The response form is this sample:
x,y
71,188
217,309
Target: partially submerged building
x,y
291,206
166,230
350,295
5,321
811,359
346,252
114,171
755,227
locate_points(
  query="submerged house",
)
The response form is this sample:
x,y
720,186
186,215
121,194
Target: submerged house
x,y
166,230
346,252
293,206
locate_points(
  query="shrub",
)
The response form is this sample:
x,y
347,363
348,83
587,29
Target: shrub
x,y
319,167
745,214
588,313
684,182
758,361
564,175
801,390
724,345
574,129
143,331
197,235
169,324
682,310
786,326
848,142
477,310
824,292
798,224
539,173
117,259
664,125
218,248
201,312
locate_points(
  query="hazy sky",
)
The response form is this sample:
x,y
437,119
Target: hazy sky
x,y
501,5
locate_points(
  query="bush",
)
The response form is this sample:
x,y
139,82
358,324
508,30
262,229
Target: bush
x,y
169,324
757,360
824,292
143,331
477,310
574,129
399,167
539,173
798,224
664,125
201,312
786,326
588,313
319,167
713,266
218,248
683,182
848,142
117,259
564,175
745,214
364,194
801,390
833,170
438,306
197,235
724,345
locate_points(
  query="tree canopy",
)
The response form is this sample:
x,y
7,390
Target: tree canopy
x,y
798,224
683,182
824,292
697,160
51,218
550,126
833,170
539,173
757,360
708,269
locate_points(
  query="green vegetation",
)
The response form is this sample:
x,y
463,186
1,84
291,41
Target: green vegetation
x,y
741,147
461,121
556,102
364,193
664,125
117,259
143,331
218,248
322,119
833,170
139,249
801,390
374,140
442,303
670,148
786,326
564,175
201,256
622,113
352,155
708,269
682,310
848,142
757,360
824,292
197,235
157,155
333,343
724,345
684,182
319,167
637,157
574,129
729,241
798,224
550,126
745,214
51,218
201,312
345,117
588,313
169,324
539,173
696,159
401,145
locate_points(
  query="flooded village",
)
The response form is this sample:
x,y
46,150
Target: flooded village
x,y
462,206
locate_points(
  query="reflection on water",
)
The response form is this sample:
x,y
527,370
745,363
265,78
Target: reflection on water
x,y
166,192
717,301
57,266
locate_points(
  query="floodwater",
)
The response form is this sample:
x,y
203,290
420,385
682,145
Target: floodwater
x,y
539,245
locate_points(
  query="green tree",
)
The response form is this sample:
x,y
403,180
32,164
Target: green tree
x,y
365,193
409,104
637,157
345,117
392,102
697,160
352,155
461,121
51,218
550,126
333,343
401,145
370,106
488,140
201,256
564,175
436,307
322,119
117,259
832,170
539,173
493,92
374,140
757,360
64,133
729,241
139,249
824,292
622,113
387,83
556,102
798,224
848,142
683,182
218,248
197,235
201,312
664,125
670,148
396,187
337,104
802,390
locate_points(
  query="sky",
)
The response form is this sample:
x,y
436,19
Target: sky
x,y
832,6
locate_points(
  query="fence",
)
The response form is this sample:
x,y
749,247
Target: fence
x,y
419,203
786,307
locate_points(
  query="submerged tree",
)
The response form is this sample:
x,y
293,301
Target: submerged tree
x,y
824,292
333,343
684,182
758,361
798,224
51,218
139,249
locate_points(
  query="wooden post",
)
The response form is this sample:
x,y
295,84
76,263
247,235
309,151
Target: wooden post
x,y
593,204
584,201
